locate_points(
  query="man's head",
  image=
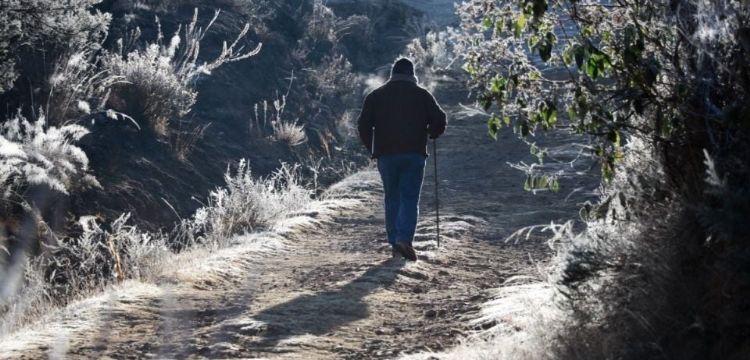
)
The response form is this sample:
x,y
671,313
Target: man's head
x,y
403,66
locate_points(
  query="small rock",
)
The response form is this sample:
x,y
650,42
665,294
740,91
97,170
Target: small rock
x,y
430,314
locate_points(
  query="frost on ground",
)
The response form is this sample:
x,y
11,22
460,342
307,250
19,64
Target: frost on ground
x,y
201,269
519,319
319,282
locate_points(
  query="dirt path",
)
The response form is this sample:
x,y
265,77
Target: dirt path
x,y
331,290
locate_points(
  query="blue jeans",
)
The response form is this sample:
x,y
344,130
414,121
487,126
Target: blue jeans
x,y
402,176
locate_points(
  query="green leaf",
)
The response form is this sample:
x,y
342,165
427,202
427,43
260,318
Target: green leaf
x,y
528,185
541,182
550,117
608,169
599,151
487,22
651,73
470,69
525,129
497,85
519,25
494,125
597,64
545,45
614,137
568,54
587,31
500,25
547,114
554,185
572,113
506,120
533,41
545,52
551,37
592,70
579,52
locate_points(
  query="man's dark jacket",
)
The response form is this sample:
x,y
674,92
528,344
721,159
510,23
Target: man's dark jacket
x,y
402,114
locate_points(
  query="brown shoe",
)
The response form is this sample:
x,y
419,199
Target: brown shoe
x,y
406,250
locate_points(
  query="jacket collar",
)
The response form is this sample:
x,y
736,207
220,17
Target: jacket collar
x,y
403,77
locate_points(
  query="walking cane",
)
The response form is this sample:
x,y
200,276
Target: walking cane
x,y
437,197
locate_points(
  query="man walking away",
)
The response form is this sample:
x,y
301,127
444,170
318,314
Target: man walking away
x,y
395,122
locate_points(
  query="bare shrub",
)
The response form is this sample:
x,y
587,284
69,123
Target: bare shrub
x,y
160,77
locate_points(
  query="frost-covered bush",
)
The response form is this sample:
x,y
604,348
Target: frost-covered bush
x,y
102,254
51,26
327,85
160,77
78,87
25,295
332,77
32,153
433,53
288,132
246,203
658,91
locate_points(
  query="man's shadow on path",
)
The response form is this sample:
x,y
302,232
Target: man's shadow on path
x,y
321,313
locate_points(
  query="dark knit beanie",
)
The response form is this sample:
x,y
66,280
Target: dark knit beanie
x,y
403,66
